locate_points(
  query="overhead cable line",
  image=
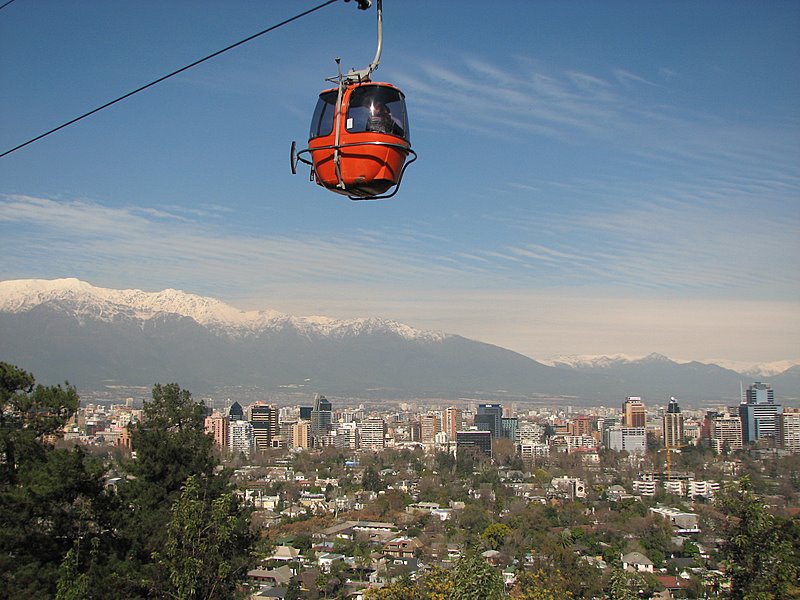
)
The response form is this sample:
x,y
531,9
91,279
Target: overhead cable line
x,y
165,77
5,4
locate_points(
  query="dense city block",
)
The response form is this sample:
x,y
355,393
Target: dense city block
x,y
176,497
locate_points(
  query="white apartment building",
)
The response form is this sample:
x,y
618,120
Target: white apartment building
x,y
790,430
705,489
530,433
372,433
240,437
631,439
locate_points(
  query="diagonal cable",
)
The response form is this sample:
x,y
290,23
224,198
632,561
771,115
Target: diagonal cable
x,y
165,77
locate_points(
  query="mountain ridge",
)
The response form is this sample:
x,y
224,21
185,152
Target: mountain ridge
x,y
69,329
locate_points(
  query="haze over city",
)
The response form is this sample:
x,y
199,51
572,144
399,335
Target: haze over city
x,y
594,178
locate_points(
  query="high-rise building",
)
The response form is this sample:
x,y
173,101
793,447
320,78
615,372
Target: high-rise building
x,y
790,430
301,434
530,433
264,418
216,425
429,427
672,425
240,437
235,413
345,436
415,431
725,432
581,426
759,413
631,439
481,439
321,419
452,421
760,393
373,433
286,429
490,418
634,412
508,428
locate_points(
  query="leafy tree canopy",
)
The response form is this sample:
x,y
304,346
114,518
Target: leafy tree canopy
x,y
49,498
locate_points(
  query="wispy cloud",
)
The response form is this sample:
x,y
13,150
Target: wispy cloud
x,y
180,248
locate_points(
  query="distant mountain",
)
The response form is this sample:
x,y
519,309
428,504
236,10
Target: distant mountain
x,y
67,329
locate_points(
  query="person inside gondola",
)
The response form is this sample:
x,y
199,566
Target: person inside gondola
x,y
380,119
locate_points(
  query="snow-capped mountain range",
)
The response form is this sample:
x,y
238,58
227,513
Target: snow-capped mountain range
x,y
67,329
587,361
87,301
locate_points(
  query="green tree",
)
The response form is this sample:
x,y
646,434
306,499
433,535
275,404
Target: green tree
x,y
403,589
620,585
437,584
206,551
538,585
473,519
77,581
763,561
293,590
372,480
170,446
49,498
475,579
495,534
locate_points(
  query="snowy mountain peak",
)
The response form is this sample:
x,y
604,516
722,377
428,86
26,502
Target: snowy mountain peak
x,y
589,361
87,301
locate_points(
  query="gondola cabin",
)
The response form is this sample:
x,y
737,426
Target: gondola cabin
x,y
359,139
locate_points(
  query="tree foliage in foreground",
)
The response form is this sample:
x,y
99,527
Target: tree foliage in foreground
x,y
761,550
48,497
177,509
471,578
172,530
205,553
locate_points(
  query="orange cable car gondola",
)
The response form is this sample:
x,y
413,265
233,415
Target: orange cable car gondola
x,y
359,141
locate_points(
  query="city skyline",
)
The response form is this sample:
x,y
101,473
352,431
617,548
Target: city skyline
x,y
619,178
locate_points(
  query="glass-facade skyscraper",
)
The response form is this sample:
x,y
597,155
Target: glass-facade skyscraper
x,y
759,413
321,418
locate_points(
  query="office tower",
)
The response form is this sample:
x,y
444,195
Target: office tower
x,y
240,437
286,429
481,439
429,427
725,431
235,413
345,436
305,412
373,434
759,413
216,426
264,418
508,428
790,430
415,431
672,425
489,418
530,433
452,421
321,418
634,412
631,439
760,393
301,434
581,426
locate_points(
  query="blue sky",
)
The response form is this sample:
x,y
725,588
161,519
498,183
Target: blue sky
x,y
594,177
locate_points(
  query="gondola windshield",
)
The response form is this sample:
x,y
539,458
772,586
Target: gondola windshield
x,y
377,109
